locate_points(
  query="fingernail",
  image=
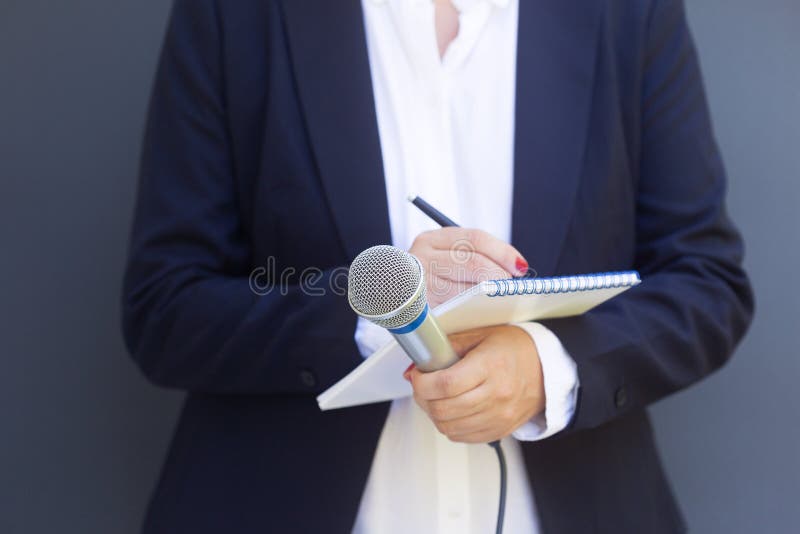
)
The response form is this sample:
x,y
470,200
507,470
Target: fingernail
x,y
407,371
521,265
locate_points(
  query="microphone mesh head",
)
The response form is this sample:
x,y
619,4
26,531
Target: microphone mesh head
x,y
381,281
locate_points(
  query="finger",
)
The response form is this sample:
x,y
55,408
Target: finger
x,y
493,429
465,240
486,435
471,267
443,290
467,404
464,426
463,376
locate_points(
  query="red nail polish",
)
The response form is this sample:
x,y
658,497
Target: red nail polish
x,y
405,373
521,265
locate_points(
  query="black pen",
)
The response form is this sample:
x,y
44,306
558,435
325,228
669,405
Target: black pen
x,y
438,217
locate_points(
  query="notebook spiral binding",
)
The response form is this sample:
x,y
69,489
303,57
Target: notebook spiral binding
x,y
563,284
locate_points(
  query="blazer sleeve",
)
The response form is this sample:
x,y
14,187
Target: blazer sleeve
x,y
695,302
190,317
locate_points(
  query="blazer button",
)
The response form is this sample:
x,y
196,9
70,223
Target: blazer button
x,y
621,397
307,378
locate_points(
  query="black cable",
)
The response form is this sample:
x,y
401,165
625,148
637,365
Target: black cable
x,y
501,458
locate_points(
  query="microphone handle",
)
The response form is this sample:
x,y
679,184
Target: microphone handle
x,y
425,343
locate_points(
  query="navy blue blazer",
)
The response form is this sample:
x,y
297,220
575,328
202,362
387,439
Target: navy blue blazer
x,y
262,143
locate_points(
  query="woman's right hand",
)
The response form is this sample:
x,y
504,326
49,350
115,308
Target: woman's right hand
x,y
455,259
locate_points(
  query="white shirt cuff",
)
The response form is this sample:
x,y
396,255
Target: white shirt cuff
x,y
370,337
560,385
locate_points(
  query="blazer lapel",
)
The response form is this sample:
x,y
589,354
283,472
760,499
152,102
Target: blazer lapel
x,y
556,53
328,46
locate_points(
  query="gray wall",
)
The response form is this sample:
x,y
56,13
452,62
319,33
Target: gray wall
x,y
83,435
732,443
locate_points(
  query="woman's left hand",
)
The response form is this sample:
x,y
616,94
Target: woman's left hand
x,y
495,388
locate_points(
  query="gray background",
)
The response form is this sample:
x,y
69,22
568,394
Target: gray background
x,y
82,435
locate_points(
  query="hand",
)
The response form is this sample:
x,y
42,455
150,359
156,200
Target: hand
x,y
495,388
455,259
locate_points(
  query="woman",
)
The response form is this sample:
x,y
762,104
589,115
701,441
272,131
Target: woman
x,y
288,133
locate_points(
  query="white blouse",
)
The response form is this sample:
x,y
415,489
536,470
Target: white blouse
x,y
446,127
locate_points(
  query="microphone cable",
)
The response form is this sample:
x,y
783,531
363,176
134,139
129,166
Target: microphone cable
x,y
501,459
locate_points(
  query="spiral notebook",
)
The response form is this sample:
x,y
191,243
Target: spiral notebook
x,y
380,376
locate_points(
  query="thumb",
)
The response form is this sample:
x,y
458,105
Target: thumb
x,y
463,342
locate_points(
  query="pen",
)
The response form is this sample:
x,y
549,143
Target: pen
x,y
438,217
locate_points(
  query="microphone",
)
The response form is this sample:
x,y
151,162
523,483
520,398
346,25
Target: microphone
x,y
386,286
